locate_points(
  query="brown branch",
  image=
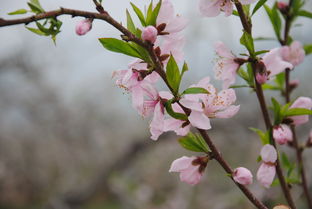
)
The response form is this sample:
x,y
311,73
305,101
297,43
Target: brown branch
x,y
259,91
229,170
64,11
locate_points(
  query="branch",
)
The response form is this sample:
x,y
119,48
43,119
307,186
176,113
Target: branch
x,y
259,91
63,11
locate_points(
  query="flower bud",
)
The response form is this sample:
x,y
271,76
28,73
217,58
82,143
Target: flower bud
x,y
261,78
149,34
242,176
282,6
83,27
282,134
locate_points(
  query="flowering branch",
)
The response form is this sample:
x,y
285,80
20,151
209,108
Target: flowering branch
x,y
264,109
298,149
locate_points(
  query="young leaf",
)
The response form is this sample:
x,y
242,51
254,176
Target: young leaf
x,y
184,69
258,6
36,31
18,12
139,14
170,111
265,138
308,49
277,111
247,41
130,25
195,90
153,17
119,46
194,142
173,74
35,6
275,19
304,13
297,111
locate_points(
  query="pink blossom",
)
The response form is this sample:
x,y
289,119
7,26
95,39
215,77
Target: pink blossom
x,y
262,78
157,124
173,44
282,134
212,105
274,62
174,23
138,86
149,34
294,53
242,176
212,8
301,102
83,27
190,168
266,171
226,67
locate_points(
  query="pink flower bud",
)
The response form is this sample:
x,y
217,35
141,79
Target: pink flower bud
x,y
282,5
282,134
190,168
268,154
266,174
242,176
149,34
261,78
83,27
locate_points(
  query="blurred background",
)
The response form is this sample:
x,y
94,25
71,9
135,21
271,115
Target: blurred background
x,y
69,138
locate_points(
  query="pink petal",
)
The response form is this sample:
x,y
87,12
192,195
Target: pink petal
x,y
268,154
223,51
274,62
176,24
266,174
191,176
282,134
228,112
301,102
157,124
227,7
210,8
181,164
137,98
193,105
199,120
294,53
166,12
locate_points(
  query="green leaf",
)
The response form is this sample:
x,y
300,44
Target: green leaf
x,y
152,15
277,111
116,45
261,52
264,136
139,14
258,6
173,75
243,74
18,12
267,86
247,41
235,13
239,86
130,25
280,80
285,161
194,142
275,19
195,90
297,111
35,6
184,69
142,51
308,49
304,13
170,111
36,31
